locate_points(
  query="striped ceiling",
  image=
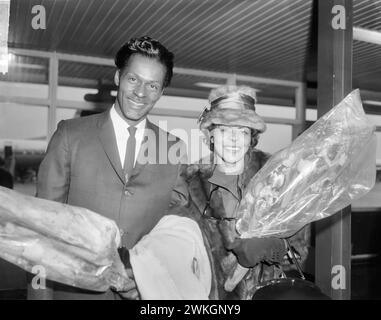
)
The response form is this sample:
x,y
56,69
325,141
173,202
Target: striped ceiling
x,y
266,38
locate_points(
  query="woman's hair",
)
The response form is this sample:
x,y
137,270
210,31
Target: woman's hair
x,y
254,137
149,48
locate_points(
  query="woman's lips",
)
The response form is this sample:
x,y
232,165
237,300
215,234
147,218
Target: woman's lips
x,y
232,149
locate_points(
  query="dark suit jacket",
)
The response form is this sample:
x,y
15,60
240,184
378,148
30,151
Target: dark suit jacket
x,y
82,167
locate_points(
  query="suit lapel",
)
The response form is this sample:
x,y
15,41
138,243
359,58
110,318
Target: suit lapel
x,y
108,140
150,142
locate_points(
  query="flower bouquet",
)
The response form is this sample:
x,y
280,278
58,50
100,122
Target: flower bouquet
x,y
322,171
75,246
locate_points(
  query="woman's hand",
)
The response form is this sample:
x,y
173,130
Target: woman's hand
x,y
251,251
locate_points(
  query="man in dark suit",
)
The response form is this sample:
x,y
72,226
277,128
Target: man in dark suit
x,y
100,162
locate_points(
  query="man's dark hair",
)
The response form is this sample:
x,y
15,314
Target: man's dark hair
x,y
146,47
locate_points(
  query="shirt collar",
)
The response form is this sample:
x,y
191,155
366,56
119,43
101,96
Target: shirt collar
x,y
121,123
228,182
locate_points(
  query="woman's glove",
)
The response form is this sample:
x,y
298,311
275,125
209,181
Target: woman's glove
x,y
251,251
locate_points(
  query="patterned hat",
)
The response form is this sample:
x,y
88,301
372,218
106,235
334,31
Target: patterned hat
x,y
232,106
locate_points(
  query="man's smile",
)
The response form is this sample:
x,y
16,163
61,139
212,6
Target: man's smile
x,y
136,104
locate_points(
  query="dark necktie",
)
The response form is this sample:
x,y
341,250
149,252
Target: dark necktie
x,y
129,159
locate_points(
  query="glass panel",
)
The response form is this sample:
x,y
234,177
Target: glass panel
x,y
64,114
26,77
23,132
375,119
275,111
187,130
311,114
74,93
85,75
276,137
181,103
378,154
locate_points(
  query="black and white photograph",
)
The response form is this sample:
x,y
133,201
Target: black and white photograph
x,y
190,150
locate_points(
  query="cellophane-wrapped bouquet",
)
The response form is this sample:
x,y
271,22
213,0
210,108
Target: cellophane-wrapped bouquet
x,y
322,171
75,246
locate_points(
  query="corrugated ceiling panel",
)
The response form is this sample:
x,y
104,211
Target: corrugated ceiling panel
x,y
268,38
367,56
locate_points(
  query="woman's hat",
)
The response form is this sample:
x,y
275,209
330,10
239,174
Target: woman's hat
x,y
232,106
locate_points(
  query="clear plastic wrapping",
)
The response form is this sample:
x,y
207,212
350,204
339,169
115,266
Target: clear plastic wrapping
x,y
322,171
75,246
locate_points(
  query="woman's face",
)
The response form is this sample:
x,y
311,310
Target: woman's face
x,y
231,143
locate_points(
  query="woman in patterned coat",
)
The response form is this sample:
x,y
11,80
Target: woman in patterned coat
x,y
232,128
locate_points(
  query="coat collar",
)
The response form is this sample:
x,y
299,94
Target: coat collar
x,y
228,182
200,176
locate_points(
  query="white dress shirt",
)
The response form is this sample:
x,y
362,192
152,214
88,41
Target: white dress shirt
x,y
121,133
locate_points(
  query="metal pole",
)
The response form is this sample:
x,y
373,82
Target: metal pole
x,y
300,110
53,85
333,235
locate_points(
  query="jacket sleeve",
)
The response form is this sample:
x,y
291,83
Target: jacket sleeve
x,y
251,251
54,172
180,193
53,184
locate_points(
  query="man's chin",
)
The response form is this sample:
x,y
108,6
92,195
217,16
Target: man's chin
x,y
131,116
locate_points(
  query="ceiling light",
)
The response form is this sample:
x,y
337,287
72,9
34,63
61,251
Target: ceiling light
x,y
215,85
370,36
208,85
372,102
27,66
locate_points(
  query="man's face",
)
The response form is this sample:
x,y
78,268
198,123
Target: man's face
x,y
140,86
